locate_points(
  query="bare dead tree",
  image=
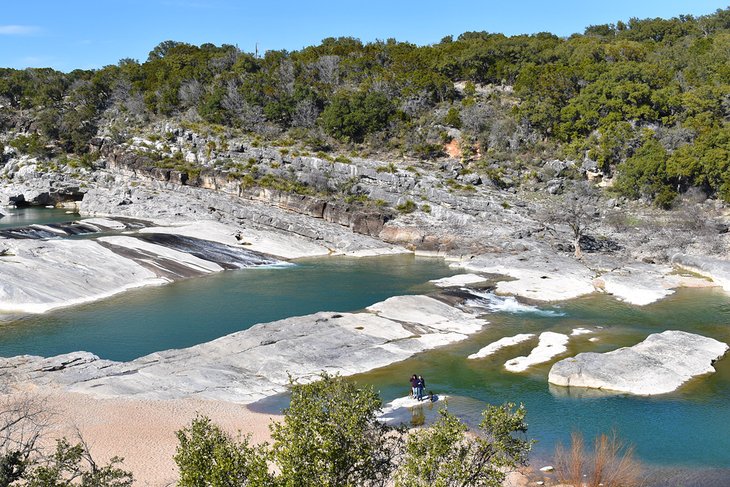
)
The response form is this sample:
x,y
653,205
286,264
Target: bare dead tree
x,y
190,92
328,69
577,211
305,114
23,420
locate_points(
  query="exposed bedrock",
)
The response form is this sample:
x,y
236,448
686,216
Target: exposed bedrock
x,y
359,220
716,269
249,365
41,269
28,186
660,364
169,203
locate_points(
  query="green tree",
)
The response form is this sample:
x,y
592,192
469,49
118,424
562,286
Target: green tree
x,y
355,116
207,456
443,456
73,465
331,436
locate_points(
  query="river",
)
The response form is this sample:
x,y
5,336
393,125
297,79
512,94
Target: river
x,y
688,428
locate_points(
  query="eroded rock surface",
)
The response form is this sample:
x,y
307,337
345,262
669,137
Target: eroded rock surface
x,y
660,364
249,365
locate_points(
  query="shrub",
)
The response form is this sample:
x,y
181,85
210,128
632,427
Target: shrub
x,y
331,436
444,455
610,464
407,207
206,456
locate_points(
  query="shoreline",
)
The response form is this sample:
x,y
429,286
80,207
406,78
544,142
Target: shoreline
x,y
140,431
531,275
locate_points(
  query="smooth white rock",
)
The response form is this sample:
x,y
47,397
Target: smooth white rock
x,y
716,269
242,367
41,275
105,222
541,274
156,252
426,311
580,331
458,280
550,345
280,245
660,364
500,344
638,283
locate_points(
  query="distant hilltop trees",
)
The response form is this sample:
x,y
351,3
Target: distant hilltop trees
x,y
645,101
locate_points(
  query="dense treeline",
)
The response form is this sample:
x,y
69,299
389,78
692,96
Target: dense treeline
x,y
647,100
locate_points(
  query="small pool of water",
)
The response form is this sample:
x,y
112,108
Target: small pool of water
x,y
194,311
18,217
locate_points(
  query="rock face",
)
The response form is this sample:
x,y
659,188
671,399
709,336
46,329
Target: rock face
x,y
246,366
41,269
659,364
716,269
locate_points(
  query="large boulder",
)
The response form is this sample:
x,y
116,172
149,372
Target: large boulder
x,y
659,364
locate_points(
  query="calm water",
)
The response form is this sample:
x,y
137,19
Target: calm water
x,y
690,427
25,216
193,311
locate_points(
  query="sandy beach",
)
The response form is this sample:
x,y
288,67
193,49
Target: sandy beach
x,y
141,431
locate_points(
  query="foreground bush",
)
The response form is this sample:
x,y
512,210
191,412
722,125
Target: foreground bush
x,y
330,436
611,463
446,455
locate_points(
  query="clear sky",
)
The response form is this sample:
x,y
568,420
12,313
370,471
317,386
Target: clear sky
x,y
69,34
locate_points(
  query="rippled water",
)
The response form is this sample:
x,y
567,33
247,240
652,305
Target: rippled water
x,y
690,427
685,431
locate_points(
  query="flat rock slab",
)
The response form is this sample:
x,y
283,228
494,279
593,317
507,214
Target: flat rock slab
x,y
550,345
659,364
494,347
249,365
538,274
716,269
458,280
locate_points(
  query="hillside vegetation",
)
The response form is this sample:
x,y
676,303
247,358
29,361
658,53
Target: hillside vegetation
x,y
644,102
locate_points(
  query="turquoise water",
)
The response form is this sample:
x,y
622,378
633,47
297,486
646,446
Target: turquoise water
x,y
17,217
193,311
690,427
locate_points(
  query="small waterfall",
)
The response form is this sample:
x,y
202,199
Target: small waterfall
x,y
505,304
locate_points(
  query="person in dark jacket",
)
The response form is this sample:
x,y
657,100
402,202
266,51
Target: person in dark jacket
x,y
420,386
414,386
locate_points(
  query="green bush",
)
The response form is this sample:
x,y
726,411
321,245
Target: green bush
x,y
407,207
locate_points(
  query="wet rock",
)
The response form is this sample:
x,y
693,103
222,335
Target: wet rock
x,y
659,364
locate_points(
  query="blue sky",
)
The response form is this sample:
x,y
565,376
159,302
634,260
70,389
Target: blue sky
x,y
69,34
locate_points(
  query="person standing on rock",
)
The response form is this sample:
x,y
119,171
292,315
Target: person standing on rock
x,y
420,386
414,386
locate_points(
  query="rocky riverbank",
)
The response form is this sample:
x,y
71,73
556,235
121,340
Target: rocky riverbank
x,y
258,362
147,225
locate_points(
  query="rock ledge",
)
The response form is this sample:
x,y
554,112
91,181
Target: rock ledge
x,y
659,364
